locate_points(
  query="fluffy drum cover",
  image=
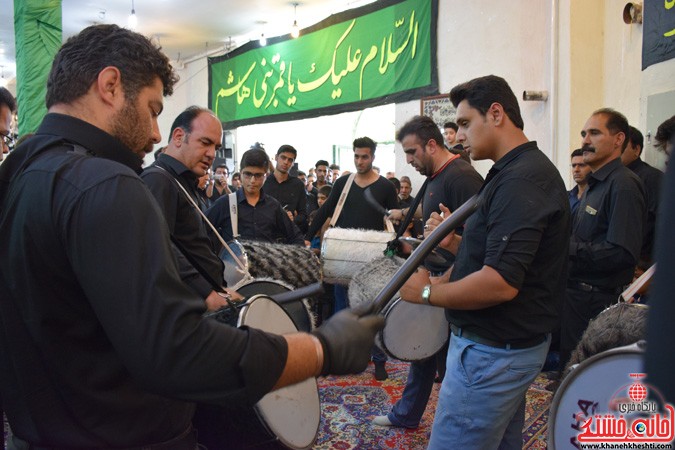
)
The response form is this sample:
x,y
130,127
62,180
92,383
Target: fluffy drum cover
x,y
372,278
619,325
344,251
290,264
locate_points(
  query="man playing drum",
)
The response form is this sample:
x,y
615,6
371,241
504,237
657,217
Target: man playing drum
x,y
195,136
102,345
451,182
357,213
507,283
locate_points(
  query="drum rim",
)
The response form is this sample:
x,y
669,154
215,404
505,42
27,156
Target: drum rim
x,y
257,408
631,349
390,306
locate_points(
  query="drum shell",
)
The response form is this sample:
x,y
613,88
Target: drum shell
x,y
344,252
596,381
293,265
298,311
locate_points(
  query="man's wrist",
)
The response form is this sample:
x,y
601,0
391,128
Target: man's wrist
x,y
426,294
318,347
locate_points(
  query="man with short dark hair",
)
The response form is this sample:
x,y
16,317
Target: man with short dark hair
x,y
451,182
508,278
195,136
7,109
102,326
607,230
288,190
580,171
651,178
219,186
357,213
260,217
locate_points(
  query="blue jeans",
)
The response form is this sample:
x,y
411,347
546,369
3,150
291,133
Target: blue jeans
x,y
408,411
341,298
482,400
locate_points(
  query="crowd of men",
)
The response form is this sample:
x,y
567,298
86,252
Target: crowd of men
x,y
110,267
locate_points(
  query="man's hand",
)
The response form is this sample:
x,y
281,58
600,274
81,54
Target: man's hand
x,y
451,241
346,339
217,300
412,289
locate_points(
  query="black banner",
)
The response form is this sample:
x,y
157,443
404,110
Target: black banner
x,y
658,41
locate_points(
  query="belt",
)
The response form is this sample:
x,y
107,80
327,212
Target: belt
x,y
585,287
460,332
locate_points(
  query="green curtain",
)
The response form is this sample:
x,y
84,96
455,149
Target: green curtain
x,y
37,29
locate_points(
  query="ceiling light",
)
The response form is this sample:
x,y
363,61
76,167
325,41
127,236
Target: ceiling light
x,y
295,30
132,21
262,40
3,80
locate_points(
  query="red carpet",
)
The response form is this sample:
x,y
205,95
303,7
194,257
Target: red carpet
x,y
349,403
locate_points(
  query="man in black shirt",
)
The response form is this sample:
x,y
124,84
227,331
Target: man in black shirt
x,y
357,213
288,190
102,345
195,136
651,179
508,279
607,230
451,182
260,217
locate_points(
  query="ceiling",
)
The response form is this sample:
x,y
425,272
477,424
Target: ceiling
x,y
184,28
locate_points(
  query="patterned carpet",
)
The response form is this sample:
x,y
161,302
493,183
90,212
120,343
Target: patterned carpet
x,y
348,404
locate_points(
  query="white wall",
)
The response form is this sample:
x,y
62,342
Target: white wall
x,y
581,52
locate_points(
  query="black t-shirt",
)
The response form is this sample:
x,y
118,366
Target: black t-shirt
x,y
453,185
291,194
521,229
356,212
651,179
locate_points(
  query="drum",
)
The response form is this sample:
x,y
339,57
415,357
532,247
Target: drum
x,y
345,251
293,265
412,331
289,416
298,311
593,388
235,271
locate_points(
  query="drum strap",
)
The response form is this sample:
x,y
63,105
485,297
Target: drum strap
x,y
234,214
236,259
341,201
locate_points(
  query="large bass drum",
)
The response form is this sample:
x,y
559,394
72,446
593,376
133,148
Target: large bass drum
x,y
288,417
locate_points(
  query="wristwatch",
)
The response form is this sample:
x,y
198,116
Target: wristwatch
x,y
426,292
387,213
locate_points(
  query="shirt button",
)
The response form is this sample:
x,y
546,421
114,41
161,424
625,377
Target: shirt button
x,y
505,238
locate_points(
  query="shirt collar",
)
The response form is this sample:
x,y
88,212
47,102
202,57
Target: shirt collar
x,y
507,159
95,140
178,167
603,172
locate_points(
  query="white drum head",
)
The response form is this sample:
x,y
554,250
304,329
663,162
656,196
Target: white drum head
x,y
292,413
413,331
592,386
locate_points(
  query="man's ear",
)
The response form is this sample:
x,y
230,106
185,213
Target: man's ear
x,y
109,86
496,113
177,136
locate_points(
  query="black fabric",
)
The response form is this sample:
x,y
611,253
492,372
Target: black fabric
x,y
265,221
607,230
520,229
356,213
291,194
453,186
651,179
100,311
185,223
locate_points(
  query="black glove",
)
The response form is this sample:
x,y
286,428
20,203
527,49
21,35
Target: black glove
x,y
347,338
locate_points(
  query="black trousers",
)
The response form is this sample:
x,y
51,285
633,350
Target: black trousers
x,y
578,310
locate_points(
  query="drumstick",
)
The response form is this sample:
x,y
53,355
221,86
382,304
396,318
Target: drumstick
x,y
455,220
637,284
